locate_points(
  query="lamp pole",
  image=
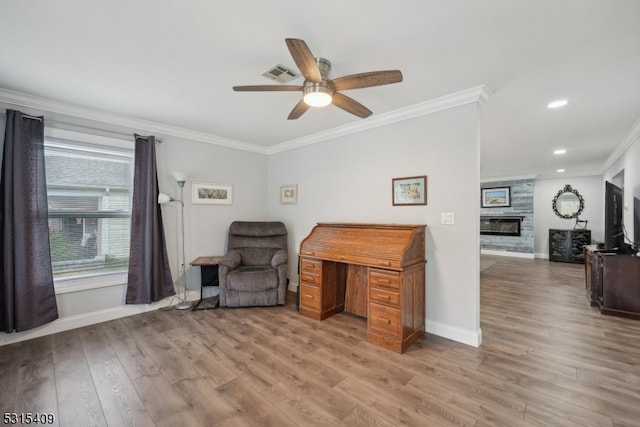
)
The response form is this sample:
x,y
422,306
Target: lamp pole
x,y
184,305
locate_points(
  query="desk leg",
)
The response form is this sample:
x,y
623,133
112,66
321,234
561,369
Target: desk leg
x,y
209,277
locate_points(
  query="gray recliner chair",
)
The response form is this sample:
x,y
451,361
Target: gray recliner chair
x,y
254,270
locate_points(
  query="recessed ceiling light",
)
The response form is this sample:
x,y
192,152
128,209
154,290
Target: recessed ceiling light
x,y
559,151
559,170
557,104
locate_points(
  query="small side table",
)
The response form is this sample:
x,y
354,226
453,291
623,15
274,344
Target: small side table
x,y
209,277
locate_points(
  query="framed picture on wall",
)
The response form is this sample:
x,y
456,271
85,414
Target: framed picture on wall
x,y
212,194
409,191
289,194
498,197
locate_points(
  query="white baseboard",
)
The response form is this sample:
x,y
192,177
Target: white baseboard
x,y
506,253
293,287
85,319
464,336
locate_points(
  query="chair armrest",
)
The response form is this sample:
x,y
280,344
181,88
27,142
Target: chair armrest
x,y
279,258
232,259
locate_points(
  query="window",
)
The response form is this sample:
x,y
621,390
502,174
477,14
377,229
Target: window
x,y
89,190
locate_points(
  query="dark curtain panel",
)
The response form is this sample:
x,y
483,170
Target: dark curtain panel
x,y
149,273
27,296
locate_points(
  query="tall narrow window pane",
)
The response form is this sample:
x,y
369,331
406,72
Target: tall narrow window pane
x,y
89,197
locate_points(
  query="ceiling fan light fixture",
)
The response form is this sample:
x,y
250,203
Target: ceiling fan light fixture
x,y
317,95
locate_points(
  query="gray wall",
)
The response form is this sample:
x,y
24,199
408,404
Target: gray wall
x,y
205,225
348,179
522,194
629,163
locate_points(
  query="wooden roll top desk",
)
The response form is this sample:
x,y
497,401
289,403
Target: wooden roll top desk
x,y
375,271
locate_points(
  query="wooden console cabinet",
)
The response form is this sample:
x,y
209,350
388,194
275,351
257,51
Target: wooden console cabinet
x,y
375,271
567,245
613,282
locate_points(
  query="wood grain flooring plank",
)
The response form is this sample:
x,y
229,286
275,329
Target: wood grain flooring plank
x,y
118,397
252,407
394,409
35,390
78,402
165,354
362,417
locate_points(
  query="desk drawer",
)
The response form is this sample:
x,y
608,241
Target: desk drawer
x,y
386,320
310,296
384,296
312,266
386,278
310,278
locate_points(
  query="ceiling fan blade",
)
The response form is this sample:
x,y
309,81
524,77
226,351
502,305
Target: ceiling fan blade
x,y
304,59
267,88
350,105
300,108
373,78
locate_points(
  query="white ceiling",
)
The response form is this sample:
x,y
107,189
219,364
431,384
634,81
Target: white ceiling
x,y
174,62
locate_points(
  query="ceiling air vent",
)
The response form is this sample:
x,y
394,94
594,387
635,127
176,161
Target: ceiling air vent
x,y
280,73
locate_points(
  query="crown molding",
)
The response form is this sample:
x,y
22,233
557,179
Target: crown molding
x,y
507,178
629,139
46,105
479,94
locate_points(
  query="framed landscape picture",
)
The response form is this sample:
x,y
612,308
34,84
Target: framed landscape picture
x,y
409,191
289,194
212,194
499,197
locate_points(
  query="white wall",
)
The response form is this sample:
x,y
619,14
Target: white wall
x,y
629,162
592,191
206,226
348,179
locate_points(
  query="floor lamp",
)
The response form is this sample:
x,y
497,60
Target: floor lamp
x,y
181,178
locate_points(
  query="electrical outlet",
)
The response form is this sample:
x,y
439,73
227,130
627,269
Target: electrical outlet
x,y
447,218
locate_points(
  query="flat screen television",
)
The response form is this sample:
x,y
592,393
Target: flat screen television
x,y
613,206
636,223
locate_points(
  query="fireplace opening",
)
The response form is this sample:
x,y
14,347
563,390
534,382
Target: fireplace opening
x,y
500,225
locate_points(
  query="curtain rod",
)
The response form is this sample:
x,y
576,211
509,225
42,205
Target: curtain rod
x,y
25,116
85,129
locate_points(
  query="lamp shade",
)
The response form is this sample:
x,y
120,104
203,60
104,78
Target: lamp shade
x,y
163,198
180,176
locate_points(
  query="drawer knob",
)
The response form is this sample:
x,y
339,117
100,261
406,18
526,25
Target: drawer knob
x,y
308,296
387,297
382,319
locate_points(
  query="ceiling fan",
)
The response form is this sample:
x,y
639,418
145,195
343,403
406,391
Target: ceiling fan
x,y
318,90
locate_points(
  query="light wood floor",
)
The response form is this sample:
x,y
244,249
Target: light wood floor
x,y
547,359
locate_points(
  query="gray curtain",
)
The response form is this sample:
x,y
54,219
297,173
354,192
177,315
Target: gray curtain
x,y
149,273
27,295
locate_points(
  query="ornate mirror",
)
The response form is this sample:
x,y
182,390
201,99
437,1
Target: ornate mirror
x,y
568,203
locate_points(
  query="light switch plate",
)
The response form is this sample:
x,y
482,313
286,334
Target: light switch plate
x,y
447,218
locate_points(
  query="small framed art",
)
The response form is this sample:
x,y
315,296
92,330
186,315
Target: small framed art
x,y
212,194
289,194
499,197
409,191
